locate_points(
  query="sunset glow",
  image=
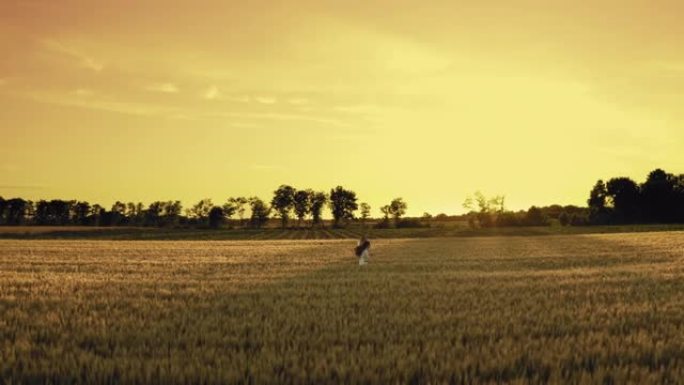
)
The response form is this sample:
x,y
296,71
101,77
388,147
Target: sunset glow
x,y
430,101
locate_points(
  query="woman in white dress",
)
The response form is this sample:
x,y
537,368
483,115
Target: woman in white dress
x,y
362,251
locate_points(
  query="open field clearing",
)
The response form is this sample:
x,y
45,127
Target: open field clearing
x,y
575,309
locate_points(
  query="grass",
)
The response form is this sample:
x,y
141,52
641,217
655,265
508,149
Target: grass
x,y
439,230
576,309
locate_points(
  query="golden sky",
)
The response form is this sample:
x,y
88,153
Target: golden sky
x,y
428,100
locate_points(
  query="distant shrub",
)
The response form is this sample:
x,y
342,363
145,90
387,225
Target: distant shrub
x,y
508,219
382,224
536,217
564,219
411,223
579,220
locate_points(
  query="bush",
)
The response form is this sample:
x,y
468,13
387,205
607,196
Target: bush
x,y
411,223
507,219
579,220
383,224
564,219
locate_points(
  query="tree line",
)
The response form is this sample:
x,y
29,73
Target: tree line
x,y
288,203
620,200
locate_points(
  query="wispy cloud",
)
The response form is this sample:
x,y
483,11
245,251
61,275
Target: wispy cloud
x,y
158,110
279,117
83,92
298,101
265,100
104,105
167,88
212,93
83,59
239,99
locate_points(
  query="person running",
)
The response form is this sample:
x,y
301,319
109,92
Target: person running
x,y
362,250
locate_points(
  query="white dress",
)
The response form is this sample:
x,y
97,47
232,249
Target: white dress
x,y
363,259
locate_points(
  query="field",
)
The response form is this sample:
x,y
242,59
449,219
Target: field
x,y
571,309
355,230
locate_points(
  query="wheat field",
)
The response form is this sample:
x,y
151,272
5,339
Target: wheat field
x,y
577,309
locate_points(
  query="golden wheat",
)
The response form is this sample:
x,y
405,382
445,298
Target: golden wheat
x,y
592,309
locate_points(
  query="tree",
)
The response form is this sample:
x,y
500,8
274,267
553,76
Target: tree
x,y
564,219
200,211
260,212
302,204
658,196
96,214
171,212
216,217
81,210
15,211
397,209
384,223
386,210
229,209
153,214
365,212
342,204
482,210
318,201
426,218
117,215
598,211
283,203
535,217
3,207
239,203
623,194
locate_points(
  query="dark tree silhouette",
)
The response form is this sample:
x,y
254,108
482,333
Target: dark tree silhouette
x,y
81,213
200,211
3,207
283,203
536,217
216,217
318,201
598,211
15,211
397,208
302,205
229,209
623,193
365,212
342,204
239,203
658,195
260,212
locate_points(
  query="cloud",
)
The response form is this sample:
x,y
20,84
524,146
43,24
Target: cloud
x,y
279,117
298,101
104,105
167,88
3,82
83,92
240,99
265,100
212,93
84,60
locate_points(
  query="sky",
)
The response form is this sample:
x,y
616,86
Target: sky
x,y
425,100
